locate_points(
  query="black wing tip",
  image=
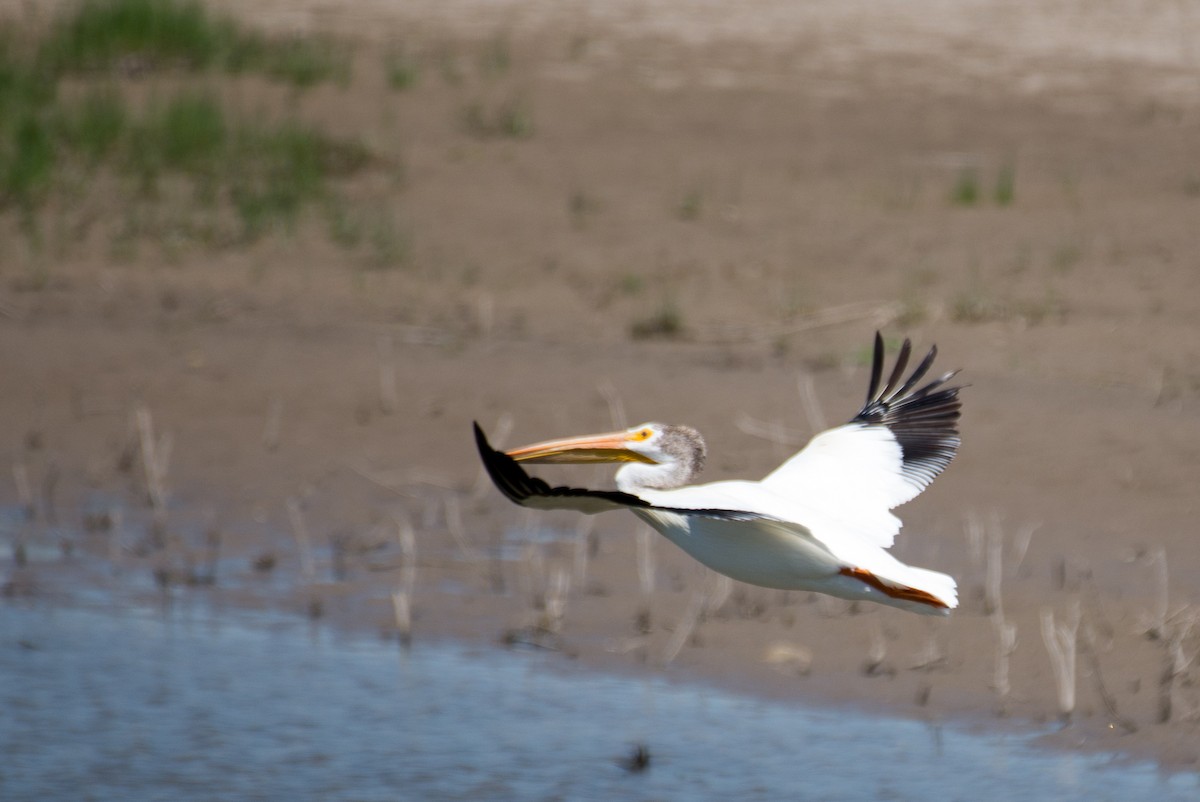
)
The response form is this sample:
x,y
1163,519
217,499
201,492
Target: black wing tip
x,y
876,366
924,419
508,477
518,486
488,454
893,393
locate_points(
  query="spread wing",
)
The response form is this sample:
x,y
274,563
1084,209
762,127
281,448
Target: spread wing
x,y
530,491
901,439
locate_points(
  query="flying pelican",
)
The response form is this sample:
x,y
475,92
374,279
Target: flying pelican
x,y
821,521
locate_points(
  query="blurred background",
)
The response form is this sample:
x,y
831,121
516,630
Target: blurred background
x,y
262,263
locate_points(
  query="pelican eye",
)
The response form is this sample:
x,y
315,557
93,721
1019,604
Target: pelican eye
x,y
640,435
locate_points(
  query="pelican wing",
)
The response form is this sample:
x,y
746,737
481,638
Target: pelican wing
x,y
529,491
901,439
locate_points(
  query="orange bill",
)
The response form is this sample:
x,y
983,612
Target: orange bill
x,y
591,448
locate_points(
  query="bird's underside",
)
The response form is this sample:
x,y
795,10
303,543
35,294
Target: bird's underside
x,y
821,521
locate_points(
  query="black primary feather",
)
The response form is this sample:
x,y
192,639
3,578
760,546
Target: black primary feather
x,y
512,480
923,420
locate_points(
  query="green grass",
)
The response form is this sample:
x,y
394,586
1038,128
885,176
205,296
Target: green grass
x,y
102,32
301,62
97,124
1006,185
631,284
27,157
665,323
401,69
274,173
246,176
691,206
189,134
268,174
966,188
29,168
512,119
128,35
496,58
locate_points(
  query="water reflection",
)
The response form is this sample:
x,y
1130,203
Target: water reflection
x,y
138,704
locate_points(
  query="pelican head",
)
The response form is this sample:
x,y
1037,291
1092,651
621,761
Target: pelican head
x,y
660,455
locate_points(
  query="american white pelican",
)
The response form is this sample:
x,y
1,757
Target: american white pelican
x,y
821,521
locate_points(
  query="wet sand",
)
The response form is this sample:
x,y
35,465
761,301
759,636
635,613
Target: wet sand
x,y
747,189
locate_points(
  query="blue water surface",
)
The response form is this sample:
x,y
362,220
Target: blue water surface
x,y
187,704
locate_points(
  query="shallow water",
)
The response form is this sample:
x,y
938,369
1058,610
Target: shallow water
x,y
139,704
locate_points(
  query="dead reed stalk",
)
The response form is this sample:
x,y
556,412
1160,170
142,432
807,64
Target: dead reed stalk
x,y
532,577
584,530
1061,639
931,655
993,567
558,588
646,572
212,557
389,396
49,486
810,403
1158,619
772,432
876,662
975,537
403,616
721,590
1006,644
1175,661
402,596
876,313
1092,652
685,627
115,530
274,424
156,458
1020,544
616,407
303,541
408,554
485,315
24,490
454,522
990,542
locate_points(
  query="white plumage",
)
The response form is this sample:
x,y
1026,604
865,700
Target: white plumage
x,y
821,521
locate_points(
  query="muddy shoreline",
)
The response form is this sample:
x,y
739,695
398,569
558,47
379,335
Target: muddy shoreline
x,y
484,567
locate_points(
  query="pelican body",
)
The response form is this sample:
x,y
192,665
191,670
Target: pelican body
x,y
821,521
